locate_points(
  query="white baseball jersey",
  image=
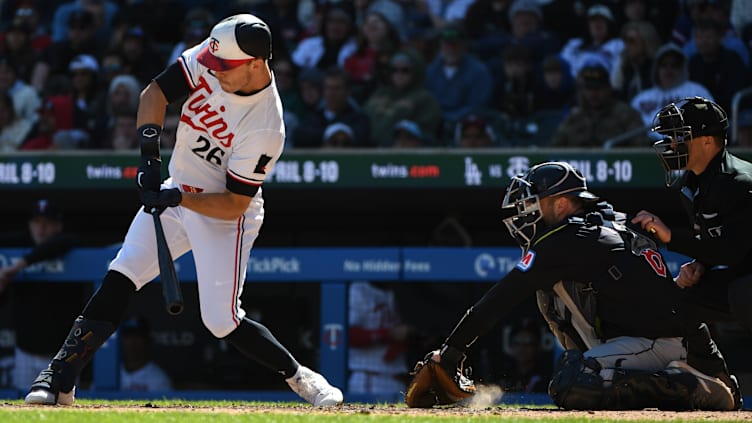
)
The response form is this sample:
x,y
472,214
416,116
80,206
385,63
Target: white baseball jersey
x,y
224,141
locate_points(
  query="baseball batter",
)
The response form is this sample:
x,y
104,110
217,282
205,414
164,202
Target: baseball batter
x,y
229,138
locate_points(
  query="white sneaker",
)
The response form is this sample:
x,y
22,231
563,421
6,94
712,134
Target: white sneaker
x,y
45,397
313,388
711,392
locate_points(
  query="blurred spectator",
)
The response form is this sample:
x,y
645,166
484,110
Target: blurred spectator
x,y
138,372
196,27
310,87
527,28
338,135
709,10
26,101
657,13
333,45
474,132
57,56
337,106
670,83
16,46
741,20
601,43
122,97
55,119
88,99
404,97
140,59
599,115
162,20
555,89
26,17
459,81
377,340
377,40
285,75
717,68
37,339
487,27
123,137
13,131
282,18
407,134
111,65
744,129
528,369
514,93
102,13
633,72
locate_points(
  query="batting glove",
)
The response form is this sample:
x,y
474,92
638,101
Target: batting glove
x,y
160,200
149,176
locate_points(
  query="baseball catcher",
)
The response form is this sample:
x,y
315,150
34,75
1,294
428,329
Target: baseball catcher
x,y
607,295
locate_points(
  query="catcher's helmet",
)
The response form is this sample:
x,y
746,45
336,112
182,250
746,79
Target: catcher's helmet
x,y
521,209
681,122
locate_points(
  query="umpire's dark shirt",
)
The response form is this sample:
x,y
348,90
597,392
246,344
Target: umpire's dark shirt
x,y
641,302
719,204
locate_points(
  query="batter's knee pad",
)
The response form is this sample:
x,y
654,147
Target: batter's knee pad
x,y
577,383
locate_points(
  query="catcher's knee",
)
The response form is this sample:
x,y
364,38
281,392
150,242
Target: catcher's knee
x,y
577,383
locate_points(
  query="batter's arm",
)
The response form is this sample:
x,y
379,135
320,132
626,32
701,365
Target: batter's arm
x,y
152,106
221,205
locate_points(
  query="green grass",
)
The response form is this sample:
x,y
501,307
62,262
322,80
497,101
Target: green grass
x,y
181,411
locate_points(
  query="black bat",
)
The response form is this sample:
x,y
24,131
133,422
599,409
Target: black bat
x,y
170,285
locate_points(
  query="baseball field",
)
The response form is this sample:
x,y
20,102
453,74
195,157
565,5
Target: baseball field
x,y
236,411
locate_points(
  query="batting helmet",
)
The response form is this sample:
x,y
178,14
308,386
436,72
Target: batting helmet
x,y
681,122
521,211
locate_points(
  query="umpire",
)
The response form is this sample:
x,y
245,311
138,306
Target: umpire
x,y
716,191
608,297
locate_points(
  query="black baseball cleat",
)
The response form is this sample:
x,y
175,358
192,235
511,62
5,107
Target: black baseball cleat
x,y
45,391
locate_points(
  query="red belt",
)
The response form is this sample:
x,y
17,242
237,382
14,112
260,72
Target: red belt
x,y
188,188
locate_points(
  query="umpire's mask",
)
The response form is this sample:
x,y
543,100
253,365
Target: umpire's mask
x,y
520,208
679,123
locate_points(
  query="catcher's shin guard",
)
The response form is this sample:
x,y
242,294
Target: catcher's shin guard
x,y
576,383
85,337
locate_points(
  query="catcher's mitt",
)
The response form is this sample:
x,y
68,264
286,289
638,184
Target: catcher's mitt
x,y
432,385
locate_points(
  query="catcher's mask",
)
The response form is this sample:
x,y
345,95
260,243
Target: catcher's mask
x,y
521,212
680,123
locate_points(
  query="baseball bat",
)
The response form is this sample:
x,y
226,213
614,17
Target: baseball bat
x,y
170,285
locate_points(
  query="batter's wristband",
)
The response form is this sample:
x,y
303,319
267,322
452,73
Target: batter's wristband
x,y
148,139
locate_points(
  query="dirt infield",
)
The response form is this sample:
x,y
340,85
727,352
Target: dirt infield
x,y
396,410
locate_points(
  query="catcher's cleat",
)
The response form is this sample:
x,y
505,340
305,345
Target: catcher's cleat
x,y
314,388
711,393
41,396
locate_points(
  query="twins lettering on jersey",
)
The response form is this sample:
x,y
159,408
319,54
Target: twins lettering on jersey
x,y
205,118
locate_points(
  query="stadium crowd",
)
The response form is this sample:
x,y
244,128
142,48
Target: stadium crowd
x,y
383,73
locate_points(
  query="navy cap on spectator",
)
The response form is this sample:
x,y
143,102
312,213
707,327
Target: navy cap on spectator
x,y
525,6
46,208
453,32
84,62
594,75
600,10
410,127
